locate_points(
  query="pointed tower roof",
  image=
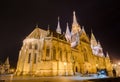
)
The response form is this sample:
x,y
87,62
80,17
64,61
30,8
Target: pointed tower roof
x,y
7,61
48,27
93,39
99,44
48,30
74,19
68,30
83,30
68,34
75,26
58,30
92,36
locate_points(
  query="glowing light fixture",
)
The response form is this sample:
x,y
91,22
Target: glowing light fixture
x,y
65,63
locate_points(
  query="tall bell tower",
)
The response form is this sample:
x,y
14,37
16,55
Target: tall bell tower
x,y
75,26
75,31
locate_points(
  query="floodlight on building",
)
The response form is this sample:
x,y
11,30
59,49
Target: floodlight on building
x,y
65,63
96,65
119,63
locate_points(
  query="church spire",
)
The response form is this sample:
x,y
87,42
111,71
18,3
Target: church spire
x,y
58,30
48,30
75,26
99,44
68,34
83,30
100,52
48,27
93,40
7,61
74,19
107,55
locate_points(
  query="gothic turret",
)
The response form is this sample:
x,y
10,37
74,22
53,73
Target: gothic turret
x,y
84,36
75,31
98,43
7,61
58,30
100,51
68,34
75,26
48,30
7,65
83,30
107,55
93,40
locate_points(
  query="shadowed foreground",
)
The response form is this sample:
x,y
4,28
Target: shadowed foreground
x,y
60,79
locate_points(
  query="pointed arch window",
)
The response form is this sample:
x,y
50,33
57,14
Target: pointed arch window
x,y
65,54
29,57
54,53
35,57
85,55
47,51
30,46
60,54
36,46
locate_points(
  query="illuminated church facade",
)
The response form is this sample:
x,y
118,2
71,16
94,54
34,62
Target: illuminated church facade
x,y
49,53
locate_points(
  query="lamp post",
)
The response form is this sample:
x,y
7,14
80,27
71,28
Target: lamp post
x,y
65,67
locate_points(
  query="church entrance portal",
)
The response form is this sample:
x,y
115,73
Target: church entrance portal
x,y
76,69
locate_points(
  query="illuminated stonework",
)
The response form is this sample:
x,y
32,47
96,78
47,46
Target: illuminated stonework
x,y
47,53
5,67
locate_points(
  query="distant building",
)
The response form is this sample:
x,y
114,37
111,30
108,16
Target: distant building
x,y
5,67
49,53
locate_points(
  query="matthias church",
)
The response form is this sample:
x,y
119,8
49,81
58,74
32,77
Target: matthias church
x,y
53,53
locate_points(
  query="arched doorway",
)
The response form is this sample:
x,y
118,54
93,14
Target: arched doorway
x,y
76,69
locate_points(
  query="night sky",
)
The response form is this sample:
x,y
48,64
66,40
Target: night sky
x,y
18,19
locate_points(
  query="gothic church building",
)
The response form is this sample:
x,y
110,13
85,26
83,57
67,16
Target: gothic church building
x,y
49,53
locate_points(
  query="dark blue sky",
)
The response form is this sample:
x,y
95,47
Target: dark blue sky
x,y
19,17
